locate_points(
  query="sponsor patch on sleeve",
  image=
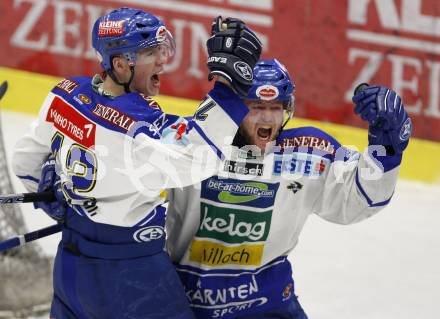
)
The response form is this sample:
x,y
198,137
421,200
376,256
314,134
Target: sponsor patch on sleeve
x,y
113,116
71,123
313,142
67,85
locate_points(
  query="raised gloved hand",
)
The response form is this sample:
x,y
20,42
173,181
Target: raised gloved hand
x,y
50,181
382,108
233,51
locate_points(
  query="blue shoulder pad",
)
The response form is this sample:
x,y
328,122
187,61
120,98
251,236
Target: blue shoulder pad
x,y
69,86
308,139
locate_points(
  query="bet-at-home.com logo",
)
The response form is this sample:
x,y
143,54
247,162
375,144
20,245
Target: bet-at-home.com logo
x,y
234,193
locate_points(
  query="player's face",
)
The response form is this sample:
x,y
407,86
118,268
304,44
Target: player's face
x,y
262,123
149,65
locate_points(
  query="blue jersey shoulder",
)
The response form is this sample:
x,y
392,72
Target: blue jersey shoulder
x,y
70,86
308,137
121,113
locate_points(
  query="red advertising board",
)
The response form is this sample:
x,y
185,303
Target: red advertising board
x,y
328,47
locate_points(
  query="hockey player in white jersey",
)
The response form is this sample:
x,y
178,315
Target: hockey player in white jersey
x,y
117,152
230,235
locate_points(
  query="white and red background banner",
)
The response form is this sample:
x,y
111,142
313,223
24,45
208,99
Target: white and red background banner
x,y
328,46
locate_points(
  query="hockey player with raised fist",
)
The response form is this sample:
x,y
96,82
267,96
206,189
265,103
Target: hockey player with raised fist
x,y
233,50
230,235
382,108
117,152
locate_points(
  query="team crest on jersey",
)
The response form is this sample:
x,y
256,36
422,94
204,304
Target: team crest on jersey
x,y
148,234
267,92
81,98
287,292
111,28
295,187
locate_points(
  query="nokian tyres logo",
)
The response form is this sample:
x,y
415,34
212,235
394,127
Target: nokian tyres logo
x,y
235,192
233,225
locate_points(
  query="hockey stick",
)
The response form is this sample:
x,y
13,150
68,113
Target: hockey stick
x,y
20,240
3,89
27,198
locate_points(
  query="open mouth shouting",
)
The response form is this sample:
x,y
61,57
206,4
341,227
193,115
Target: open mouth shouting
x,y
264,133
155,80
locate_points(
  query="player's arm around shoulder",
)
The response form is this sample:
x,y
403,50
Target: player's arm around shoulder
x,y
179,157
176,152
233,50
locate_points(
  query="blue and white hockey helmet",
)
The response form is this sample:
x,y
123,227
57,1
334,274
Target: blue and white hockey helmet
x,y
125,31
272,82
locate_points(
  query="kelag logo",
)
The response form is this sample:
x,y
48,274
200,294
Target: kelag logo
x,y
232,225
232,191
239,231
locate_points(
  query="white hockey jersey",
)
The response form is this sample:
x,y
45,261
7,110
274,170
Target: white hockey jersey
x,y
124,151
230,235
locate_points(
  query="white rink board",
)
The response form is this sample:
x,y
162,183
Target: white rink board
x,y
387,267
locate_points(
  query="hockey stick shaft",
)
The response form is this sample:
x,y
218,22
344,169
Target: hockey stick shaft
x,y
27,198
20,240
3,88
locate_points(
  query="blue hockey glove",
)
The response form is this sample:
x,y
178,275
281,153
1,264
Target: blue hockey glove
x,y
233,51
50,181
389,124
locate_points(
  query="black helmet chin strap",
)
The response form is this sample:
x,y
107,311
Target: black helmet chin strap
x,y
285,122
290,111
126,85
